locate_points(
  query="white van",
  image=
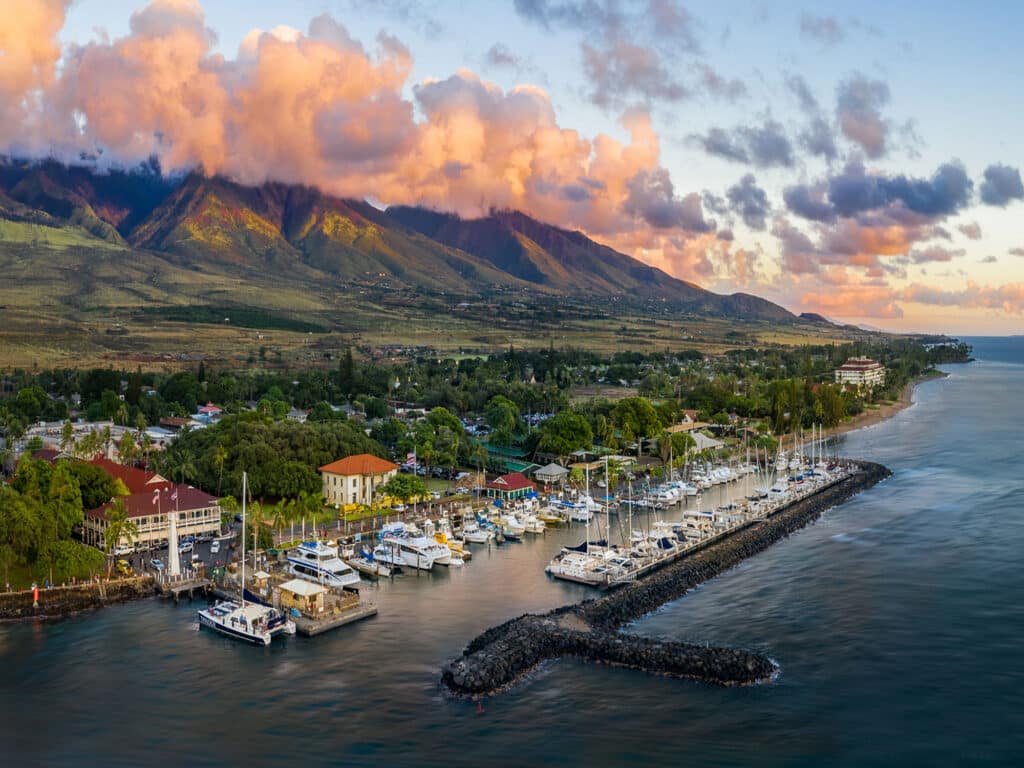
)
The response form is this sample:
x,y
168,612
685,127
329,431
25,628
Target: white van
x,y
215,548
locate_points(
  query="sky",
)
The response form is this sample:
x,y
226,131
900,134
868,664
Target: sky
x,y
860,161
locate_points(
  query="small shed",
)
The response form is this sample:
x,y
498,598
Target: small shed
x,y
552,474
510,487
305,596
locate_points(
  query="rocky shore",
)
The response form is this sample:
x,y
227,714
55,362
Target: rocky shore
x,y
60,602
501,655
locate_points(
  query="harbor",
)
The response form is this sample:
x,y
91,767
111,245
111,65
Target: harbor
x,y
589,630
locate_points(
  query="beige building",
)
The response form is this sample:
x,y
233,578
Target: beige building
x,y
355,479
198,514
861,372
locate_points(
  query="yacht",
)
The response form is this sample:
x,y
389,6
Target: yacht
x,y
511,527
315,561
474,534
534,524
415,551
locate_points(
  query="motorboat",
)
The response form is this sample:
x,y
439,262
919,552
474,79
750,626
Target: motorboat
x,y
316,561
550,517
533,524
474,534
415,551
367,564
511,527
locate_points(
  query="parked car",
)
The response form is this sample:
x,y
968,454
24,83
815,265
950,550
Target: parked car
x,y
123,568
185,546
122,549
157,563
215,548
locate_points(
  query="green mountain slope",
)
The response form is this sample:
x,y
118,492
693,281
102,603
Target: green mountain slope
x,y
275,234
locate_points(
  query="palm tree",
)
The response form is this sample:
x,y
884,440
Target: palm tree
x,y
67,435
256,519
119,526
220,456
279,516
307,505
228,508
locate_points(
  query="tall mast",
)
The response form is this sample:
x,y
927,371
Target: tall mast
x,y
607,491
586,505
244,493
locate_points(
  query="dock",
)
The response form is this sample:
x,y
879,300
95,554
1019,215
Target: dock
x,y
310,627
187,584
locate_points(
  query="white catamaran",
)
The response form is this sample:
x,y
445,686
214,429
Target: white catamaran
x,y
250,622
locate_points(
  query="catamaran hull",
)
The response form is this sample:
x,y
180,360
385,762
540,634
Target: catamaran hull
x,y
237,634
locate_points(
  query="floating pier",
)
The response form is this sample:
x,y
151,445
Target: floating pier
x,y
311,627
497,658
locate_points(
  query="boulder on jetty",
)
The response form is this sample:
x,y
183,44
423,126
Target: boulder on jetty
x,y
501,655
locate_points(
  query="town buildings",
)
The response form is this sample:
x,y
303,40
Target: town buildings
x,y
861,372
510,487
151,501
355,479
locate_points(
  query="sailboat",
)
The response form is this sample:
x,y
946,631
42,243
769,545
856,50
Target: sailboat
x,y
246,621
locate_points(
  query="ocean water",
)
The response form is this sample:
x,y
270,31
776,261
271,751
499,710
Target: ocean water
x,y
896,620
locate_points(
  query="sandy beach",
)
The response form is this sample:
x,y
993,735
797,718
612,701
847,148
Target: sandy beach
x,y
870,417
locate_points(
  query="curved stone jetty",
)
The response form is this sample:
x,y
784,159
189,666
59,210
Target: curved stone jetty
x,y
501,655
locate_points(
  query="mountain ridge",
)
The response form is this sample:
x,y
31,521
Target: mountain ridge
x,y
213,223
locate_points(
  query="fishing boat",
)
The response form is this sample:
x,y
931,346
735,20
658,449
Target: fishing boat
x,y
368,565
250,622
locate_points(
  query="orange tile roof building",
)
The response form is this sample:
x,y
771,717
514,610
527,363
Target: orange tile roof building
x,y
355,479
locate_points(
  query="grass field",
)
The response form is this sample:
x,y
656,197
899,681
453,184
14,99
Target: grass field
x,y
70,299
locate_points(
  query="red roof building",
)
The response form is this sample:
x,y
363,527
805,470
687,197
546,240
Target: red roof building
x,y
135,480
514,485
197,513
50,455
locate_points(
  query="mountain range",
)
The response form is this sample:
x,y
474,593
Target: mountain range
x,y
280,231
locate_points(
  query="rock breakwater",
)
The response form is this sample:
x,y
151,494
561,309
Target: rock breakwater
x,y
501,655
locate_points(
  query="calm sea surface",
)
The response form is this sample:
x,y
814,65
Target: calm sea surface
x,y
897,620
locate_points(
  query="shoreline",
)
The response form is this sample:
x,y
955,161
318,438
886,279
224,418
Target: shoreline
x,y
873,417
